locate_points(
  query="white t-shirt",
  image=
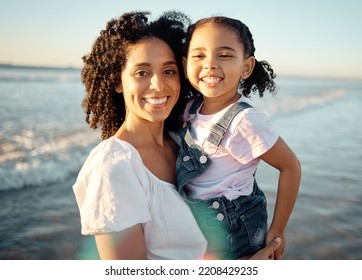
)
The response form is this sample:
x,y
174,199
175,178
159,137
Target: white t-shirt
x,y
233,164
115,191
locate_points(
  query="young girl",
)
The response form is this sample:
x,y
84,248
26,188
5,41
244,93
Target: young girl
x,y
224,140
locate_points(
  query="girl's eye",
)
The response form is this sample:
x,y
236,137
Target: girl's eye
x,y
197,56
225,56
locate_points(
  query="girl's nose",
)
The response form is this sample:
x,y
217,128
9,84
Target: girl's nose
x,y
210,63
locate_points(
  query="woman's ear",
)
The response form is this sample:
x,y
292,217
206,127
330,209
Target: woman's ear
x,y
119,88
184,63
248,67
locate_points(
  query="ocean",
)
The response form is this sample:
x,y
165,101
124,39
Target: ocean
x,y
44,140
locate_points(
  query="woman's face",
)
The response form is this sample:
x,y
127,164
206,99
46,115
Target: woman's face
x,y
150,81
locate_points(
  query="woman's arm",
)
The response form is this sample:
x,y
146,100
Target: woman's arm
x,y
281,157
128,244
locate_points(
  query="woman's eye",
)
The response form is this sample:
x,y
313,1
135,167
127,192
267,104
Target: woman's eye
x,y
141,73
170,72
225,56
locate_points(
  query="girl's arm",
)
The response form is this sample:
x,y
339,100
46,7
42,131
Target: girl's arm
x,y
281,157
128,244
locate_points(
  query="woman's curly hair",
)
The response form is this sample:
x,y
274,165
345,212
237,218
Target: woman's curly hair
x,y
101,73
262,77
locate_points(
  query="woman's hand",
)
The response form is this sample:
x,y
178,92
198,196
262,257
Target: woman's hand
x,y
272,235
267,252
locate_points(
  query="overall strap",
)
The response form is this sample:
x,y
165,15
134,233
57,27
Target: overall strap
x,y
218,130
194,107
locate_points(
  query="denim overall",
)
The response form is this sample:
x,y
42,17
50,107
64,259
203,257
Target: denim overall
x,y
233,228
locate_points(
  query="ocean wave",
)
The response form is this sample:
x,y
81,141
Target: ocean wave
x,y
46,164
287,103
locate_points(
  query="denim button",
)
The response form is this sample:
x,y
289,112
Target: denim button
x,y
203,159
220,216
186,158
215,205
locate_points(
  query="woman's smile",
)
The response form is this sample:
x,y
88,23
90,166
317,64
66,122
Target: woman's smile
x,y
156,100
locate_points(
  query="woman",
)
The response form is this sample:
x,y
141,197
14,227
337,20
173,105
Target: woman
x,y
125,189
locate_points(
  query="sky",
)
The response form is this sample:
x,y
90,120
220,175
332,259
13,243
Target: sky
x,y
313,38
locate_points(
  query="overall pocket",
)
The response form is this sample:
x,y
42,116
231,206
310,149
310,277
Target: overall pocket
x,y
256,223
248,226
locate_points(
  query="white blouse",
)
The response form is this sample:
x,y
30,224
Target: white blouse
x,y
115,191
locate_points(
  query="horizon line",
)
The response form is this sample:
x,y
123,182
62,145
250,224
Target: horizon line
x,y
11,65
47,67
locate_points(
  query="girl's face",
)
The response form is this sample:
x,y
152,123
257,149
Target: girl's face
x,y
150,81
215,61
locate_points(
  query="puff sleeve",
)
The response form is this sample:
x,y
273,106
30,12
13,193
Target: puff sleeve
x,y
110,189
252,136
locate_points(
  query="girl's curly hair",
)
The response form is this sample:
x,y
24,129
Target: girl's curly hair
x,y
101,73
262,77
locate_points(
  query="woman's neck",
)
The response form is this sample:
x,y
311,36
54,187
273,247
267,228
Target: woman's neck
x,y
141,135
158,152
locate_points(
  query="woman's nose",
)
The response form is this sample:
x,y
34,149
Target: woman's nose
x,y
157,83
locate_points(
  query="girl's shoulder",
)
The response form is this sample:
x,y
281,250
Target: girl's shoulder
x,y
251,119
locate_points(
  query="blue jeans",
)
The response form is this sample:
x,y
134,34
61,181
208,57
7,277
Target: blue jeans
x,y
233,228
